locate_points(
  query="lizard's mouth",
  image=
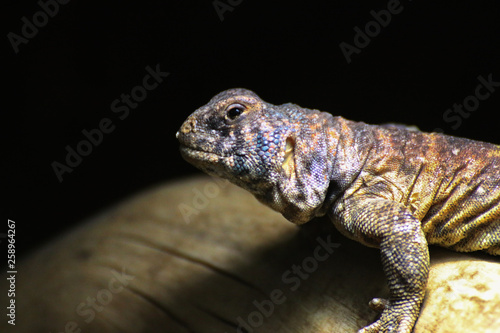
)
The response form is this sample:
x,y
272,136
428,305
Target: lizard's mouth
x,y
196,152
208,162
192,152
193,155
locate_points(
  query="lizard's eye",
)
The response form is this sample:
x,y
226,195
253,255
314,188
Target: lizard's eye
x,y
234,110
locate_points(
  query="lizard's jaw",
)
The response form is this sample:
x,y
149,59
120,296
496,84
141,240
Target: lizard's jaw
x,y
208,162
200,149
203,159
197,146
194,155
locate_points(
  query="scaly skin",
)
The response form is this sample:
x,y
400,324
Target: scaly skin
x,y
386,186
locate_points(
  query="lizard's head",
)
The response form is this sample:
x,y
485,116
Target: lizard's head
x,y
253,144
236,136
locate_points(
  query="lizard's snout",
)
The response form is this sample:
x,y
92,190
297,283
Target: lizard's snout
x,y
189,126
187,133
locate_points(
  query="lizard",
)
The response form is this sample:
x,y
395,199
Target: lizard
x,y
386,186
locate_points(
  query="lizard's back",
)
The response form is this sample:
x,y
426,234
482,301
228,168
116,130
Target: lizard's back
x,y
450,184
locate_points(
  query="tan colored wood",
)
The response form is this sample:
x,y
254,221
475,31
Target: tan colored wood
x,y
202,256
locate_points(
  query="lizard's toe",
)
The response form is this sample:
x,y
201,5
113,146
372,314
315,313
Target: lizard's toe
x,y
395,318
379,304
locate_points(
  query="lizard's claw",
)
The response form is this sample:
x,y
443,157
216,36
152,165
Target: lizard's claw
x,y
379,304
397,317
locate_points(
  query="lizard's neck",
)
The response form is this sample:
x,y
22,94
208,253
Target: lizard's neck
x,y
349,145
326,155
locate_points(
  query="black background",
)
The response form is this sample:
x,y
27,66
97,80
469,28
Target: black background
x,y
66,77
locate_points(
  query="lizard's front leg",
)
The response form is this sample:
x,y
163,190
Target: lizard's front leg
x,y
405,257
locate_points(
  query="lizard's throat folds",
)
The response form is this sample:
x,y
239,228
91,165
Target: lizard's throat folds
x,y
289,159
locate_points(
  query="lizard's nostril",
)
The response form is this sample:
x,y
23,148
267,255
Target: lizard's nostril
x,y
188,126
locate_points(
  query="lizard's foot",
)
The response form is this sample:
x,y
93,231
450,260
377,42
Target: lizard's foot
x,y
397,317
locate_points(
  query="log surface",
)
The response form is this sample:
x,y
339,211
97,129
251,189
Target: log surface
x,y
203,256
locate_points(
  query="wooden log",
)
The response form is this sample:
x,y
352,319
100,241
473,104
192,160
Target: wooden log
x,y
201,255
